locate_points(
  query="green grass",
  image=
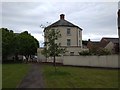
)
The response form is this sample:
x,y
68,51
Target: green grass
x,y
0,75
78,77
12,74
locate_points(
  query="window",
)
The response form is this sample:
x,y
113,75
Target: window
x,y
68,42
68,31
71,53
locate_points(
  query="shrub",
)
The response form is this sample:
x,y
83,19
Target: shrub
x,y
103,52
99,52
85,53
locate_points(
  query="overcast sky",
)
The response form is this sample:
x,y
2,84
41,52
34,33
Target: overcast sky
x,y
97,19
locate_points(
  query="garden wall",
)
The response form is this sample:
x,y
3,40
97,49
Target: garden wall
x,y
93,61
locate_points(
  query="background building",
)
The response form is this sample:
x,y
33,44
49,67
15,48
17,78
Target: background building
x,y
71,35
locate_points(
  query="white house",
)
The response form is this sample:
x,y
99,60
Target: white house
x,y
71,35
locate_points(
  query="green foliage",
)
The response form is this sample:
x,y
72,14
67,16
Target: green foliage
x,y
27,44
8,42
99,52
45,52
103,52
85,53
52,47
14,44
93,50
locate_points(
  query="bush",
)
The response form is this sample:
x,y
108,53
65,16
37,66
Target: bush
x,y
103,52
98,52
85,53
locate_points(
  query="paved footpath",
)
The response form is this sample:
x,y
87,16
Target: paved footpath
x,y
33,79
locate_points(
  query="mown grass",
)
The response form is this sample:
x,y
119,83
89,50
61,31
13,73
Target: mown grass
x,y
78,77
0,75
12,74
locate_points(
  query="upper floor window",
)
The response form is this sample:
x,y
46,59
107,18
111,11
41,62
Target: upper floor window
x,y
68,31
68,42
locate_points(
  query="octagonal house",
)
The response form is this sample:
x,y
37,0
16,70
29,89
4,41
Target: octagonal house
x,y
71,35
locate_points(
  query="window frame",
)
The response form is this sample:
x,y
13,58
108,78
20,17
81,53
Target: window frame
x,y
68,42
68,32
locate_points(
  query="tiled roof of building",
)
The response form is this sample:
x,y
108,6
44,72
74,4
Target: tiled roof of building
x,y
104,41
62,22
114,40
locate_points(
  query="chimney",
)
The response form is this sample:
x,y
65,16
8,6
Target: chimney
x,y
89,40
62,17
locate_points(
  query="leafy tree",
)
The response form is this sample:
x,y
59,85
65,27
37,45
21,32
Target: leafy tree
x,y
45,52
14,44
8,43
26,44
52,47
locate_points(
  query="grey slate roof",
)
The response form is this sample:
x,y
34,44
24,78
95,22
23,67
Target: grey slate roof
x,y
62,22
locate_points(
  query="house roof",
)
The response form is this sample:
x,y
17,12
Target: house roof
x,y
62,22
104,41
113,40
94,43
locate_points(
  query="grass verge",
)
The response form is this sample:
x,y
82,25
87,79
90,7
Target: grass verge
x,y
78,77
12,74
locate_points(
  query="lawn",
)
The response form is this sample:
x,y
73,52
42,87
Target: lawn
x,y
79,77
0,75
12,74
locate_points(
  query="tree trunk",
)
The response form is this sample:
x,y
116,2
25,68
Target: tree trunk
x,y
54,60
46,59
16,57
54,64
26,59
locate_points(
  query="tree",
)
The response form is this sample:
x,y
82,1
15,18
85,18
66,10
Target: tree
x,y
45,52
26,44
52,47
14,44
8,43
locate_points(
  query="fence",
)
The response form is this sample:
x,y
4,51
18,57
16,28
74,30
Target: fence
x,y
93,61
41,58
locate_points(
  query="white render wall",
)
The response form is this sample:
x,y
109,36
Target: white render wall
x,y
93,61
74,35
75,46
73,49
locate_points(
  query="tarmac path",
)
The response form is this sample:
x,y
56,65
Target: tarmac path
x,y
34,78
